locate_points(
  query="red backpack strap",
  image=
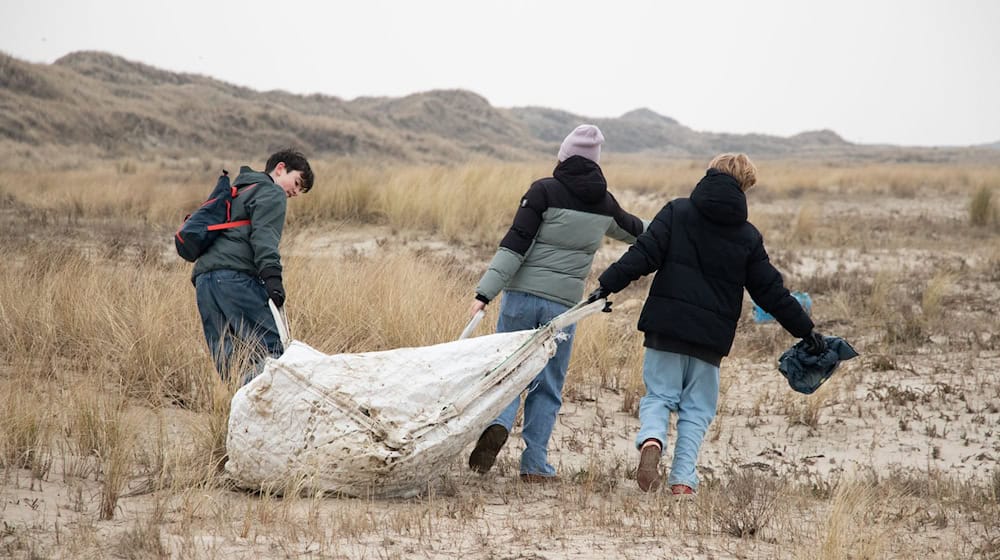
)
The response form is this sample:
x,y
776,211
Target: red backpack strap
x,y
235,190
240,190
228,225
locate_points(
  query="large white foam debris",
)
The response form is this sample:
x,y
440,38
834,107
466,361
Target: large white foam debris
x,y
377,423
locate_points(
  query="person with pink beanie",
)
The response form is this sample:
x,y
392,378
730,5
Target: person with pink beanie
x,y
541,266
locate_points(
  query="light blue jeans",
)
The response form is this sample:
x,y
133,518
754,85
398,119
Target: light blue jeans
x,y
521,311
689,387
234,313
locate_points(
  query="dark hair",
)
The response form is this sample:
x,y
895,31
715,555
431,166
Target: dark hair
x,y
294,161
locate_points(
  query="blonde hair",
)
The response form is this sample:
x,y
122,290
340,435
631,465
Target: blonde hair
x,y
737,165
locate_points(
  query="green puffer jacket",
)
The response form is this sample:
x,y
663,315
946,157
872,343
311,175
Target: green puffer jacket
x,y
251,248
560,224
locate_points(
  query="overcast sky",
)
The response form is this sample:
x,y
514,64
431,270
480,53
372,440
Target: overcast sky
x,y
917,72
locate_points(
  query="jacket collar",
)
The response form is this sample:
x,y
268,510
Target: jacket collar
x,y
248,175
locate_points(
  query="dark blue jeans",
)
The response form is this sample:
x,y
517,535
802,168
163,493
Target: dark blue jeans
x,y
521,311
235,316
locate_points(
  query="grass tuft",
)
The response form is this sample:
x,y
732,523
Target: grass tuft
x,y
746,501
981,207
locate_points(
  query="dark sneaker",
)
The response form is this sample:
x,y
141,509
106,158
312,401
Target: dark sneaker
x,y
485,453
648,474
532,478
681,489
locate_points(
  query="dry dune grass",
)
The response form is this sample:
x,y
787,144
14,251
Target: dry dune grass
x,y
112,422
460,202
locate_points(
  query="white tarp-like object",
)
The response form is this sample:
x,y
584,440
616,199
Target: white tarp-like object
x,y
379,423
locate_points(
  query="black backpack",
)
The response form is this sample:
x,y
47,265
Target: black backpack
x,y
202,227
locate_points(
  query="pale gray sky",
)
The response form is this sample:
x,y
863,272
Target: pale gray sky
x,y
918,72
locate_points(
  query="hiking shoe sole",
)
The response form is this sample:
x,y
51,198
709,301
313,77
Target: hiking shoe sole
x,y
531,478
648,473
487,448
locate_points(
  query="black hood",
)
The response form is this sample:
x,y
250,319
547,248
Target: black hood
x,y
583,178
718,197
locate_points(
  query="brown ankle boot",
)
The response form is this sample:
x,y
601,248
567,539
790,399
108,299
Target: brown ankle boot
x,y
648,474
487,448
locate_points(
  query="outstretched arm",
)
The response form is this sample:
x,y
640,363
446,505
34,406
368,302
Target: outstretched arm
x,y
624,226
644,256
767,288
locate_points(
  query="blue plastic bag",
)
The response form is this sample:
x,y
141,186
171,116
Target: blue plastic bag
x,y
761,316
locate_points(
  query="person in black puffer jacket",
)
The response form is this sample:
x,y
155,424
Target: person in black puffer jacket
x,y
704,253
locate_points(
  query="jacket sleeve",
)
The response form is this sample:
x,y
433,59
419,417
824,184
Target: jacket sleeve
x,y
266,209
624,226
515,244
644,256
766,286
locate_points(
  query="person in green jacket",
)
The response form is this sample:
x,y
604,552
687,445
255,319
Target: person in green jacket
x,y
241,270
541,266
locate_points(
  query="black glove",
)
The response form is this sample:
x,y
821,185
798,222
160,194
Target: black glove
x,y
272,281
600,293
814,343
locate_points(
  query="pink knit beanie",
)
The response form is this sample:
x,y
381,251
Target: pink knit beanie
x,y
585,140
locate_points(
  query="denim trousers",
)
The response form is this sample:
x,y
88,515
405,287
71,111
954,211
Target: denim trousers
x,y
522,311
236,318
689,387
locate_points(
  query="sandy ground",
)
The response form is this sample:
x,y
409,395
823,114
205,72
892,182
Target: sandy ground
x,y
931,414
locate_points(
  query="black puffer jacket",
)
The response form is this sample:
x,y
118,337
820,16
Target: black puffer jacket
x,y
704,253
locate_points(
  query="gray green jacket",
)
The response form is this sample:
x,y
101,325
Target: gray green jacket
x,y
558,227
251,248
